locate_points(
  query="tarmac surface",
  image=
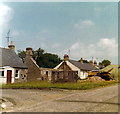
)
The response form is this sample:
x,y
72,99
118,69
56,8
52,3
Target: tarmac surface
x,y
30,100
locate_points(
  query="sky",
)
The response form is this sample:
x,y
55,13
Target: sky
x,y
79,29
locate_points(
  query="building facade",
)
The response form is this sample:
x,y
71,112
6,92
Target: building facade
x,y
81,68
12,69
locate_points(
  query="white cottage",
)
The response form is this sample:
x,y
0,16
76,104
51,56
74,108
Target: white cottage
x,y
12,69
81,68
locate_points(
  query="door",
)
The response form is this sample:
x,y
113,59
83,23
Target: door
x,y
9,76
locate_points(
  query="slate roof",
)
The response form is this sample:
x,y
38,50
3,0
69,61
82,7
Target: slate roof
x,y
10,58
83,66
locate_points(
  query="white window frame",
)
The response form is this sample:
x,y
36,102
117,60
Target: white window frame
x,y
17,73
2,70
3,73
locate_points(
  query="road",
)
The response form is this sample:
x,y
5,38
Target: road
x,y
97,100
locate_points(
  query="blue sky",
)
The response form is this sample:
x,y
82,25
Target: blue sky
x,y
86,29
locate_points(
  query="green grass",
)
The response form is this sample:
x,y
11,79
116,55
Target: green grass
x,y
46,85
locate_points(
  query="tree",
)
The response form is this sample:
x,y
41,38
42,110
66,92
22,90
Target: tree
x,y
50,60
46,60
22,54
83,60
104,63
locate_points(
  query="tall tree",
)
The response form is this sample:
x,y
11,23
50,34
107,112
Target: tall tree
x,y
105,63
46,60
21,54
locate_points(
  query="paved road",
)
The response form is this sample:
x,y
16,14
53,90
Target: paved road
x,y
98,100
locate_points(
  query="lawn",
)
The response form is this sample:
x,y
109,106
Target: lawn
x,y
47,85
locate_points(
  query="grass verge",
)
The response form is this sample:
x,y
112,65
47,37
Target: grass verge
x,y
47,85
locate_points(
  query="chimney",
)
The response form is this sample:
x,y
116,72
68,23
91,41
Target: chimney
x,y
11,46
66,57
95,63
91,62
81,60
29,52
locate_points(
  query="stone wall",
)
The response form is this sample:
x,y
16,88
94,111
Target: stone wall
x,y
64,66
33,69
22,76
64,76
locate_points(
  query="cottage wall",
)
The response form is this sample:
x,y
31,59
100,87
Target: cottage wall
x,y
64,66
33,69
3,79
21,73
69,66
46,74
22,76
64,76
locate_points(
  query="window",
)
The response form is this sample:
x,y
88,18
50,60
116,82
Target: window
x,y
1,73
46,72
16,74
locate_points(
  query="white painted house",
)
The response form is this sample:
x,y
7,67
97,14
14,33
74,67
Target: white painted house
x,y
12,69
80,67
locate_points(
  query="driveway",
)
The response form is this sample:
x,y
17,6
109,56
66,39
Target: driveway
x,y
29,100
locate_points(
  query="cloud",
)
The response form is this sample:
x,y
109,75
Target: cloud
x,y
109,45
84,24
5,16
105,48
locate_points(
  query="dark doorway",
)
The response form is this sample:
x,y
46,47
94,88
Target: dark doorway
x,y
9,76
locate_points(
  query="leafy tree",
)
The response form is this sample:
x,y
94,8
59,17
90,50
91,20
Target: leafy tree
x,y
46,60
21,54
83,60
104,63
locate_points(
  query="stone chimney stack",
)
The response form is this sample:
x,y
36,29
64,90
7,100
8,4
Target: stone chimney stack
x,y
81,60
91,62
11,46
66,57
29,52
95,63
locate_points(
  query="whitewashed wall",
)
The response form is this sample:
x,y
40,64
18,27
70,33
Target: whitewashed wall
x,y
3,79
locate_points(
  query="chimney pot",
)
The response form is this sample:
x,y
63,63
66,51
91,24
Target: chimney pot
x,y
66,57
81,60
29,51
11,46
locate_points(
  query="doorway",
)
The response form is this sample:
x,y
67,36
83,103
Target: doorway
x,y
9,76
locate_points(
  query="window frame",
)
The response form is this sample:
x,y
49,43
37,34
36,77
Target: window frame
x,y
2,72
17,73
